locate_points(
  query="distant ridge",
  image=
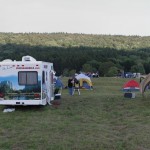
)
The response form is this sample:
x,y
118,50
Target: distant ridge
x,y
76,40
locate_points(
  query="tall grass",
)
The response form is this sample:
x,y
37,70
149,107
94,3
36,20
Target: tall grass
x,y
98,119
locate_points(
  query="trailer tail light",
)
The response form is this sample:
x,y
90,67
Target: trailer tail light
x,y
36,96
1,95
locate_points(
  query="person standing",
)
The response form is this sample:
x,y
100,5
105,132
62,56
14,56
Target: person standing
x,y
76,86
70,85
58,86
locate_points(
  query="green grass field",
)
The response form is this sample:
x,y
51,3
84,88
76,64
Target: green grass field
x,y
99,119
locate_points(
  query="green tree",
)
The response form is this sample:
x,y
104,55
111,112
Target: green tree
x,y
138,68
66,72
112,72
147,67
104,68
87,68
95,64
72,72
128,63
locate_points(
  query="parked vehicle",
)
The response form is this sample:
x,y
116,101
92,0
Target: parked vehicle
x,y
26,82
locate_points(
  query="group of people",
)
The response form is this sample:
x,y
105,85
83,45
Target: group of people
x,y
73,85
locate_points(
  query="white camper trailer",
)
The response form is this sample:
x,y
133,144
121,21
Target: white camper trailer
x,y
26,82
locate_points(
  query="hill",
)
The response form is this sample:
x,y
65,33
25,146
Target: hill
x,y
72,53
76,40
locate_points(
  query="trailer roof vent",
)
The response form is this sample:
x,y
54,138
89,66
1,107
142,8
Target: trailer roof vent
x,y
28,58
7,60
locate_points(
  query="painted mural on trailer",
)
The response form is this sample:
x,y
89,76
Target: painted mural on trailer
x,y
13,89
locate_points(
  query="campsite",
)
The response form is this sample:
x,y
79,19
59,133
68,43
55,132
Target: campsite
x,y
97,119
75,75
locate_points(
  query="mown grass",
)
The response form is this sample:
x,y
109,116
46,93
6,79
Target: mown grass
x,y
98,119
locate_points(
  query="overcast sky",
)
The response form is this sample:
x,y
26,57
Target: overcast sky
x,y
116,17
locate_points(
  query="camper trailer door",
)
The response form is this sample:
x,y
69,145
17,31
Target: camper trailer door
x,y
51,75
49,86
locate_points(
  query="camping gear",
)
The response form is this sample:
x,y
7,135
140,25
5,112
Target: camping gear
x,y
131,85
85,81
144,83
129,95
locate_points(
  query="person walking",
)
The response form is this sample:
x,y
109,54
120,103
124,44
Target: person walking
x,y
70,85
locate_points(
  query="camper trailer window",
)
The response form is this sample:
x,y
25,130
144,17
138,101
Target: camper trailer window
x,y
46,76
28,78
22,78
43,77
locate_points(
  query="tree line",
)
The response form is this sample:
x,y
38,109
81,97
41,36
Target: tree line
x,y
103,54
106,61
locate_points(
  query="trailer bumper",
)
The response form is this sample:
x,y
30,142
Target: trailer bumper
x,y
23,102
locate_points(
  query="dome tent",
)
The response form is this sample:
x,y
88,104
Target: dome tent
x,y
85,81
131,85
